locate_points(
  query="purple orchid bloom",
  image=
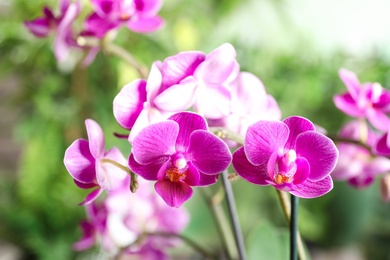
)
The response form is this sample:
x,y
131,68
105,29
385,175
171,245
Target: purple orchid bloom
x,y
356,164
369,100
290,155
83,160
124,217
141,103
61,26
179,153
138,15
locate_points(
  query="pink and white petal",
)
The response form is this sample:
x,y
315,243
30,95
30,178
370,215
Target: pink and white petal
x,y
208,153
216,71
263,139
179,97
95,138
145,24
303,170
154,81
180,66
272,110
249,92
92,196
351,82
128,104
254,174
213,102
110,177
63,5
193,177
347,104
148,7
79,161
155,141
173,193
297,125
379,165
320,151
378,119
188,122
309,189
148,171
40,27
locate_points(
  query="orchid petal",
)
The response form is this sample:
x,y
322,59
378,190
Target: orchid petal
x,y
319,151
206,180
303,170
145,25
88,239
351,82
347,104
40,27
79,161
147,171
378,119
208,153
173,193
263,139
193,176
92,196
155,141
297,125
309,189
95,138
128,104
382,147
254,174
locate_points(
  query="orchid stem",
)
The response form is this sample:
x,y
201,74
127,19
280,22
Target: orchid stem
x,y
286,207
293,228
239,239
133,182
120,52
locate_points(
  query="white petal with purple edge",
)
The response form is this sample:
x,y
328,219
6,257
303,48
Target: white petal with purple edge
x,y
95,138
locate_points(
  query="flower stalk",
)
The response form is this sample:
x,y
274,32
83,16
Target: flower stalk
x,y
294,228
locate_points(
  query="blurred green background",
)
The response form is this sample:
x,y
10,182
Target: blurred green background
x,y
43,106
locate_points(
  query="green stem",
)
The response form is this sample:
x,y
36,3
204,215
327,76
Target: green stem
x,y
293,228
239,239
286,207
133,182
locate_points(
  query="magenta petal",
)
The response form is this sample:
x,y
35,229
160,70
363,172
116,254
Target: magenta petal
x,y
303,170
319,151
128,104
378,119
79,162
254,174
155,141
145,25
263,139
162,172
297,125
381,147
208,153
309,189
91,197
178,67
95,138
173,193
193,175
148,171
361,181
351,82
188,123
85,185
206,179
99,26
40,27
346,104
88,239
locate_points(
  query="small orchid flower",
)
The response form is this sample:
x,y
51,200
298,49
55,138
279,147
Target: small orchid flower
x,y
84,161
356,164
179,153
369,100
141,103
61,26
289,155
139,16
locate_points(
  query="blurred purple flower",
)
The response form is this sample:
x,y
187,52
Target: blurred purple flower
x,y
83,160
125,217
179,153
137,15
356,164
369,100
61,26
290,155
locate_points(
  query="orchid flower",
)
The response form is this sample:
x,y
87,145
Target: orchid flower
x,y
369,100
84,161
179,153
139,16
61,26
289,155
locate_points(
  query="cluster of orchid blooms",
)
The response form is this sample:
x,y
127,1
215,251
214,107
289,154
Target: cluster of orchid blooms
x,y
169,115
